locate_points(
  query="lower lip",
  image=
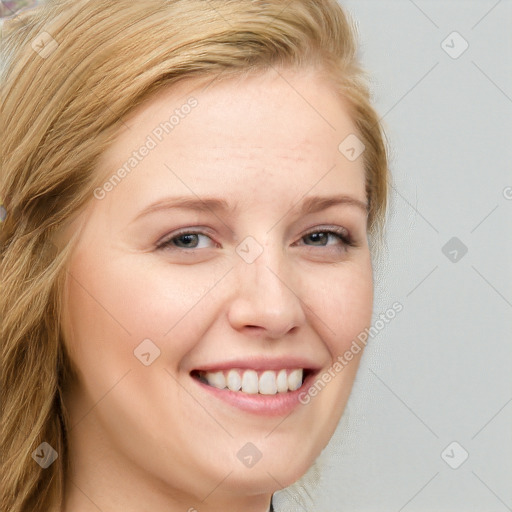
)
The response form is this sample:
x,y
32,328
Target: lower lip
x,y
279,404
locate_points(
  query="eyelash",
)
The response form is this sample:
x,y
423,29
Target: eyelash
x,y
340,233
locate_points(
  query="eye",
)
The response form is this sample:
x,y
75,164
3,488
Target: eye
x,y
328,237
336,237
186,240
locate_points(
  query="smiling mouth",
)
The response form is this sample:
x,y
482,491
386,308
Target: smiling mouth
x,y
252,382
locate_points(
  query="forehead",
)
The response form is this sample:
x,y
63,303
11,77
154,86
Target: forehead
x,y
269,131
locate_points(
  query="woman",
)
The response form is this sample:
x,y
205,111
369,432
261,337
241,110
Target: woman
x,y
191,190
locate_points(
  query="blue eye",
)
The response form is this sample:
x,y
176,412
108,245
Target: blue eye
x,y
185,240
337,238
321,238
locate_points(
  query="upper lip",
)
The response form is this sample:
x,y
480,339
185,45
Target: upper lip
x,y
261,364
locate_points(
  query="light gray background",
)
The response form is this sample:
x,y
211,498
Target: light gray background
x,y
441,371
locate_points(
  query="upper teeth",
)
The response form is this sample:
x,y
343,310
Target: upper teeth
x,y
268,382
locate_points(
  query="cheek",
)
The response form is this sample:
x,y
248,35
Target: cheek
x,y
343,305
112,307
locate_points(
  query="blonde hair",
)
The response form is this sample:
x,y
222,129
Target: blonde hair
x,y
71,70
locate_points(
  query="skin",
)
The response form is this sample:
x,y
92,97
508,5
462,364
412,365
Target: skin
x,y
147,437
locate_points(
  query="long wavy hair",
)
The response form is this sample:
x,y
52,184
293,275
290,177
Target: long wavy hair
x,y
71,70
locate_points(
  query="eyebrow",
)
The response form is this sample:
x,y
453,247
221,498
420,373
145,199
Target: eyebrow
x,y
311,204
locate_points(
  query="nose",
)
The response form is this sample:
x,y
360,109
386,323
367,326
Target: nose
x,y
265,302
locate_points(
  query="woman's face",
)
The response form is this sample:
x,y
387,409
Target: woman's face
x,y
232,251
